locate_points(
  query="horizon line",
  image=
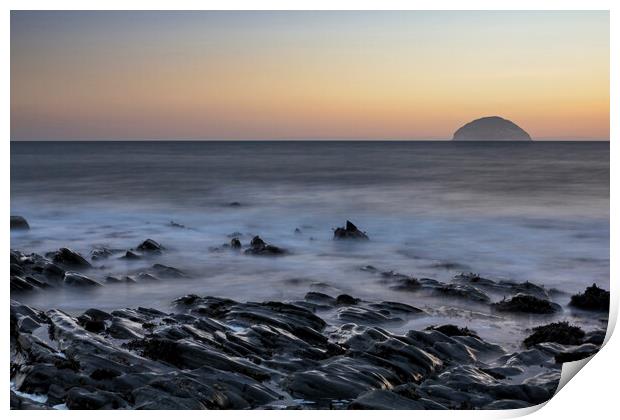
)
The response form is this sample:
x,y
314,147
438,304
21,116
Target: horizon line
x,y
546,139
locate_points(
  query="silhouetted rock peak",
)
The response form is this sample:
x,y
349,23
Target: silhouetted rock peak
x,y
491,128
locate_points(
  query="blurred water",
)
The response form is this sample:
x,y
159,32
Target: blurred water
x,y
535,211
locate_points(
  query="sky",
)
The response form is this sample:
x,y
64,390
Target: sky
x,y
385,75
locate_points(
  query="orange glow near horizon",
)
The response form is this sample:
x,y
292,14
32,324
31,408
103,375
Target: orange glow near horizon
x,y
306,75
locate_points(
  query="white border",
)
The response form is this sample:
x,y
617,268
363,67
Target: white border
x,y
592,395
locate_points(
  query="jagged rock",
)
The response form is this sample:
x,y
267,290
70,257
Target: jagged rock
x,y
79,280
130,255
260,247
345,299
168,271
217,353
527,304
577,353
94,320
594,298
150,246
504,287
101,253
82,399
350,231
452,330
556,332
69,258
381,399
19,223
463,291
235,243
405,283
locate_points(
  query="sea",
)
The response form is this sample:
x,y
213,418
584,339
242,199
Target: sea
x,y
535,211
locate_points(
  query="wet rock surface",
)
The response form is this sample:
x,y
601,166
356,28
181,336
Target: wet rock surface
x,y
594,299
217,353
19,223
349,231
557,332
260,247
330,349
527,304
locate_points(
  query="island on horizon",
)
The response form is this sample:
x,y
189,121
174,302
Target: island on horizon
x,y
491,129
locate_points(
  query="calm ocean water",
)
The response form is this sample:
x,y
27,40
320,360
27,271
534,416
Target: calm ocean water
x,y
521,211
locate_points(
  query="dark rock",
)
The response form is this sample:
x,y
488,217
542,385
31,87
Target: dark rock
x,y
101,254
142,276
452,330
235,243
94,320
366,316
350,231
81,399
125,329
380,399
168,271
448,265
405,283
595,337
346,300
150,245
527,304
69,258
556,332
19,223
176,225
320,298
463,291
260,247
396,308
79,280
506,405
130,255
582,352
18,284
234,204
594,299
505,287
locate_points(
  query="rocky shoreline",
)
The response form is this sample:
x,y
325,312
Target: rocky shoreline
x,y
321,352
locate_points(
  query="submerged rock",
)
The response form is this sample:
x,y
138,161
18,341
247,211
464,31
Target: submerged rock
x,y
19,223
527,304
150,245
260,247
168,271
130,255
350,231
556,332
594,299
101,253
